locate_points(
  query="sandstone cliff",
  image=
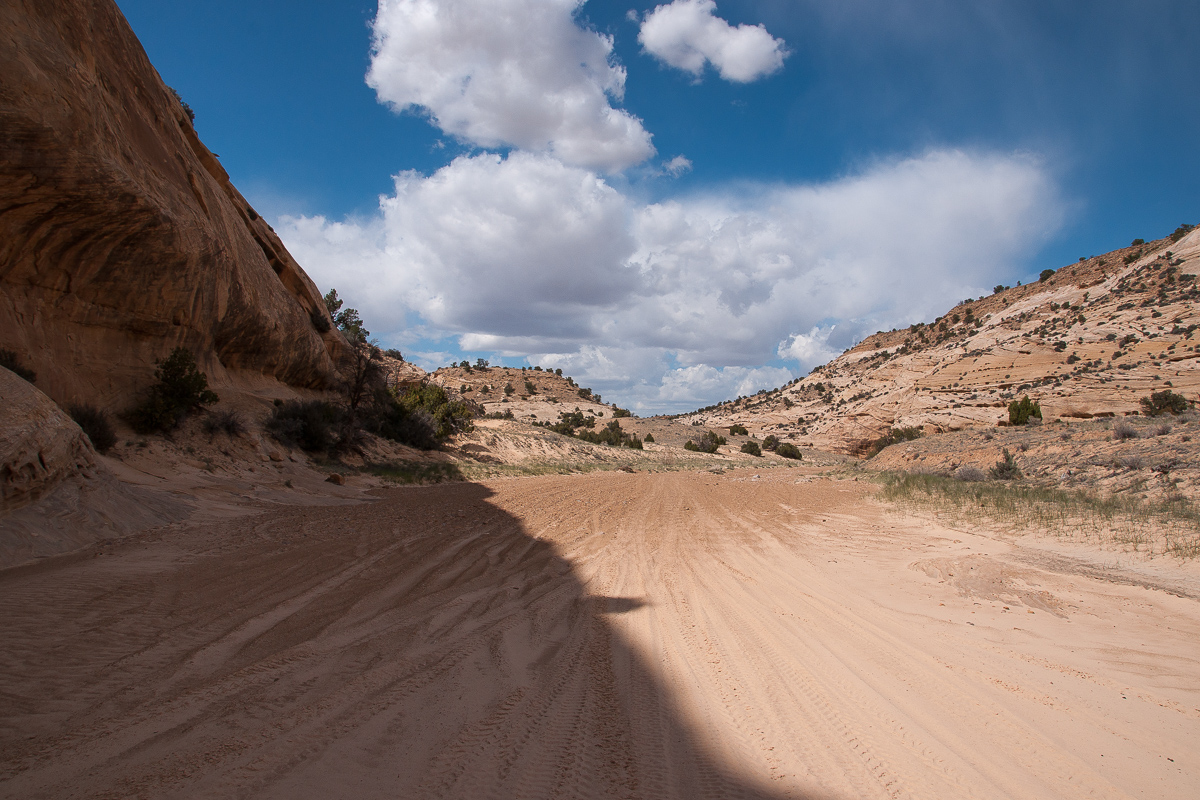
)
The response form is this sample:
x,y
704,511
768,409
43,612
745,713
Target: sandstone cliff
x,y
121,235
1090,340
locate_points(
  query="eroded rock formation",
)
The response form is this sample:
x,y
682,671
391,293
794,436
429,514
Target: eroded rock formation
x,y
121,235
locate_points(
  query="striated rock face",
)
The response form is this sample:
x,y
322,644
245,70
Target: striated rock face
x,y
121,236
40,446
1091,340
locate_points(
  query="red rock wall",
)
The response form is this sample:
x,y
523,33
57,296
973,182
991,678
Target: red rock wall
x,y
121,236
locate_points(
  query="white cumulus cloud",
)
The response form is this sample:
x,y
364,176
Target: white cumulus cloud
x,y
687,34
678,303
501,73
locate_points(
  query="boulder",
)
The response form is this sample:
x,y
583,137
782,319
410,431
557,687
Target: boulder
x,y
40,446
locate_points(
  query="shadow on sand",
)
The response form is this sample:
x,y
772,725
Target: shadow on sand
x,y
424,645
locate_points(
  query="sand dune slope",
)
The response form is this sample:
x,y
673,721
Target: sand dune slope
x,y
670,635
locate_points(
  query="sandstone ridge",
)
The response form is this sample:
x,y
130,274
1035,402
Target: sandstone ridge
x,y
121,236
1090,340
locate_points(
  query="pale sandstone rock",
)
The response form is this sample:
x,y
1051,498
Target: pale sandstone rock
x,y
40,446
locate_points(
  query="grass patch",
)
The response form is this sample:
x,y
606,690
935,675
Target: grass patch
x,y
1168,526
416,472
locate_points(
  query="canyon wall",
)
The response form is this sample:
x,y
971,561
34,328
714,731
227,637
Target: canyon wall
x,y
121,236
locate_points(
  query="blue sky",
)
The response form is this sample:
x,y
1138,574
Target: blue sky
x,y
681,203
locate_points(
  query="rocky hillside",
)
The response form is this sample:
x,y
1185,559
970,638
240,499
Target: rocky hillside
x,y
1088,340
535,394
121,236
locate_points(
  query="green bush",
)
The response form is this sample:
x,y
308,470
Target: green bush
x,y
894,436
312,425
12,362
181,388
1164,402
788,450
752,448
1006,469
1046,275
96,425
1019,413
1180,232
690,445
449,416
770,443
621,412
738,430
650,438
508,389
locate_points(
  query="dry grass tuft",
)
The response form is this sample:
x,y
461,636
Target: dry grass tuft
x,y
1166,526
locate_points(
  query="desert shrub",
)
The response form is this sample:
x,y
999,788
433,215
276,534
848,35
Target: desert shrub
x,y
770,443
738,430
1180,232
226,421
752,448
312,425
1162,430
1046,275
413,427
392,352
449,416
788,450
191,115
634,442
319,320
506,414
586,394
690,445
12,362
708,442
181,388
621,412
508,389
1122,430
96,424
1164,402
1019,413
970,474
894,436
650,438
1006,468
530,388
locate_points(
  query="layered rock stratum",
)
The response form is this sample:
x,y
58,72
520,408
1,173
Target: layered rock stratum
x,y
121,236
1091,340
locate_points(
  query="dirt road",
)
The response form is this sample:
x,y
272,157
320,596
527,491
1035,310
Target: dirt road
x,y
672,635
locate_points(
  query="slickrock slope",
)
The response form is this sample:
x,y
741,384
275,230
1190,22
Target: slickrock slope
x,y
121,235
1089,341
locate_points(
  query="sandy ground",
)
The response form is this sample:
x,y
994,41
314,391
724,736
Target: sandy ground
x,y
608,635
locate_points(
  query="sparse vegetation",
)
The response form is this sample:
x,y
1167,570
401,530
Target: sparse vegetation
x,y
1164,402
738,430
1006,468
226,421
313,426
1021,412
180,389
1167,526
788,450
894,436
1122,430
649,438
96,424
416,472
752,448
